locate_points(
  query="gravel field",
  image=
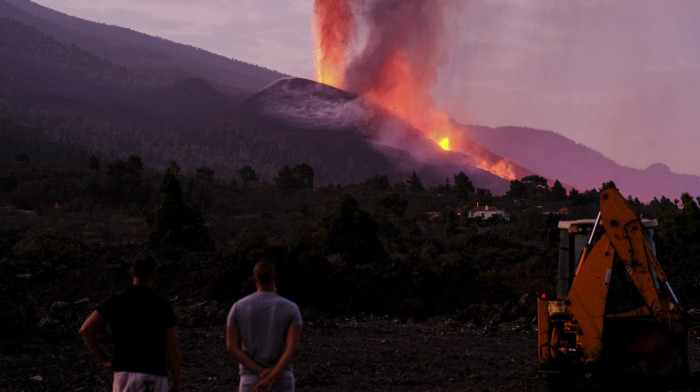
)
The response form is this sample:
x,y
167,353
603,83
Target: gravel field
x,y
346,354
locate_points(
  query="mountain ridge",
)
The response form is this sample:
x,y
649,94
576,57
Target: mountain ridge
x,y
167,101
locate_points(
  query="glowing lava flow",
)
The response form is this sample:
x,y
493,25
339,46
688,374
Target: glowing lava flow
x,y
445,144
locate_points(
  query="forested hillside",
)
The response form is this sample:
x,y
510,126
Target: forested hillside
x,y
116,92
556,157
373,247
159,61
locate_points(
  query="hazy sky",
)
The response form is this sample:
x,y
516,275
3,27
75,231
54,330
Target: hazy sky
x,y
620,76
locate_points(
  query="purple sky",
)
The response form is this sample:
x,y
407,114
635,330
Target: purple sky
x,y
620,76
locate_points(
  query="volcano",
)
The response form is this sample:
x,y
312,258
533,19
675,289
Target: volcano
x,y
301,105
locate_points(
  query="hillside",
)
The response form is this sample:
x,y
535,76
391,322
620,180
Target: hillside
x,y
307,108
556,157
118,92
160,61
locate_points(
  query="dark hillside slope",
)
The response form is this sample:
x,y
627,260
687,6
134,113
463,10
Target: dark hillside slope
x,y
160,61
360,138
37,69
39,72
556,157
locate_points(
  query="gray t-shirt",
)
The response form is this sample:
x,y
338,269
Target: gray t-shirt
x,y
262,319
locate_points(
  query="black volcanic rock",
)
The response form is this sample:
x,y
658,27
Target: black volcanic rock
x,y
303,103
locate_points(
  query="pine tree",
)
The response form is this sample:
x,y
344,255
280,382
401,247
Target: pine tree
x,y
463,186
173,223
414,183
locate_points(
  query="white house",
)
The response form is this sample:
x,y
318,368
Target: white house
x,y
486,212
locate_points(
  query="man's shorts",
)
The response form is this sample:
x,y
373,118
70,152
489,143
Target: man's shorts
x,y
139,382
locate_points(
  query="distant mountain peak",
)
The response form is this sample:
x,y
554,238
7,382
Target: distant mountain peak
x,y
659,168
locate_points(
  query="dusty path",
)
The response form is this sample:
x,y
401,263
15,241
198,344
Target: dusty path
x,y
368,354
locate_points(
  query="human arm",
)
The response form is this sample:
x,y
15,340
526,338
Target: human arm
x,y
233,346
290,352
174,357
88,331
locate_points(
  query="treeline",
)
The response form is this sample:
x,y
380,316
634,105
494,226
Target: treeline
x,y
375,246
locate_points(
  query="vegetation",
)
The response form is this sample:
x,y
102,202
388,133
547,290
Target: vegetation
x,y
93,126
369,247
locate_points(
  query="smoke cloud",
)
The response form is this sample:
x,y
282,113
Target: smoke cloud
x,y
389,51
404,39
396,64
334,30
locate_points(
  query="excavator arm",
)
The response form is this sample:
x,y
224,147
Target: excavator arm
x,y
588,325
625,231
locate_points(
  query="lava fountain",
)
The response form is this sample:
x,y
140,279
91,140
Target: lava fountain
x,y
396,64
334,27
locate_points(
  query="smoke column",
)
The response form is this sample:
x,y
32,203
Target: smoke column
x,y
334,28
396,65
399,62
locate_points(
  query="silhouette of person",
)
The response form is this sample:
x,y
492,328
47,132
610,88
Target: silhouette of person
x,y
144,331
263,334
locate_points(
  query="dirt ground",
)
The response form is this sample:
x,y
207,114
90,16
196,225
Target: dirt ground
x,y
348,354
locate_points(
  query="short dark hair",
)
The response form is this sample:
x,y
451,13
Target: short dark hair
x,y
144,266
264,272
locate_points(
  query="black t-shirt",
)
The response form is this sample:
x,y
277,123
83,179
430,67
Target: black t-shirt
x,y
138,318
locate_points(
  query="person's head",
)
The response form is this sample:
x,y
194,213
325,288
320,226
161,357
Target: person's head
x,y
143,269
265,276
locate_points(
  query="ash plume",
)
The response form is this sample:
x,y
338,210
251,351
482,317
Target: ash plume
x,y
389,51
411,33
334,30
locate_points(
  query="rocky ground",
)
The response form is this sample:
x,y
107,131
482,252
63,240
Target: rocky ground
x,y
366,353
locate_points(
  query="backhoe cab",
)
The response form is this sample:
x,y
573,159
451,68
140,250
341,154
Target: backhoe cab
x,y
614,310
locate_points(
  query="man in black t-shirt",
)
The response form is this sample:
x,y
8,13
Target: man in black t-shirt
x,y
143,329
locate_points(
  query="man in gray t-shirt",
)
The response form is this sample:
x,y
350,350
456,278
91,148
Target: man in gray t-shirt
x,y
263,333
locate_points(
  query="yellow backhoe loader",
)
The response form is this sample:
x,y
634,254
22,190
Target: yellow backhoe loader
x,y
614,312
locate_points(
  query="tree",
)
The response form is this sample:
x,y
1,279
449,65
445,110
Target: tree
x,y
204,173
414,183
589,197
484,196
285,179
297,177
304,176
609,184
350,231
247,174
174,168
535,181
390,203
123,180
450,220
536,186
173,223
377,183
517,190
557,192
93,163
463,186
